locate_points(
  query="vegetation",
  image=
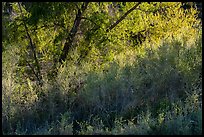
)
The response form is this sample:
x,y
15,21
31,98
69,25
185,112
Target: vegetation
x,y
113,68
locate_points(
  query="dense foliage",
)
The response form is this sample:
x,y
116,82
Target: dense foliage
x,y
101,68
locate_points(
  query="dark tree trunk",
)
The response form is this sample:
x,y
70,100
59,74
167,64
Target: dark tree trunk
x,y
69,41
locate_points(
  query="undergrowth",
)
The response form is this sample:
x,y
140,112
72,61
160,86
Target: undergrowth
x,y
156,92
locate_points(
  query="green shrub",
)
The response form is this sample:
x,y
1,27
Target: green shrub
x,y
156,91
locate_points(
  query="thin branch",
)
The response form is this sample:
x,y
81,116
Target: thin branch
x,y
31,68
32,48
89,20
123,17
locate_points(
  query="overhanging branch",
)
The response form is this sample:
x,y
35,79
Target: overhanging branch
x,y
123,17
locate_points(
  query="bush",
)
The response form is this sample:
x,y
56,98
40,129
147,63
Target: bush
x,y
156,91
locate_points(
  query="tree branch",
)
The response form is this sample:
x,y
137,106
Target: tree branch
x,y
89,20
32,68
123,17
39,77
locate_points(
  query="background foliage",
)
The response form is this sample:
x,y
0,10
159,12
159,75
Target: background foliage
x,y
126,71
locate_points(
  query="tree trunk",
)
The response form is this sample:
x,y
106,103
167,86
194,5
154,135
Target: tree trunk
x,y
69,41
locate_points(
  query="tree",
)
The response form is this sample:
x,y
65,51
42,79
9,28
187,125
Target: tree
x,y
59,28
